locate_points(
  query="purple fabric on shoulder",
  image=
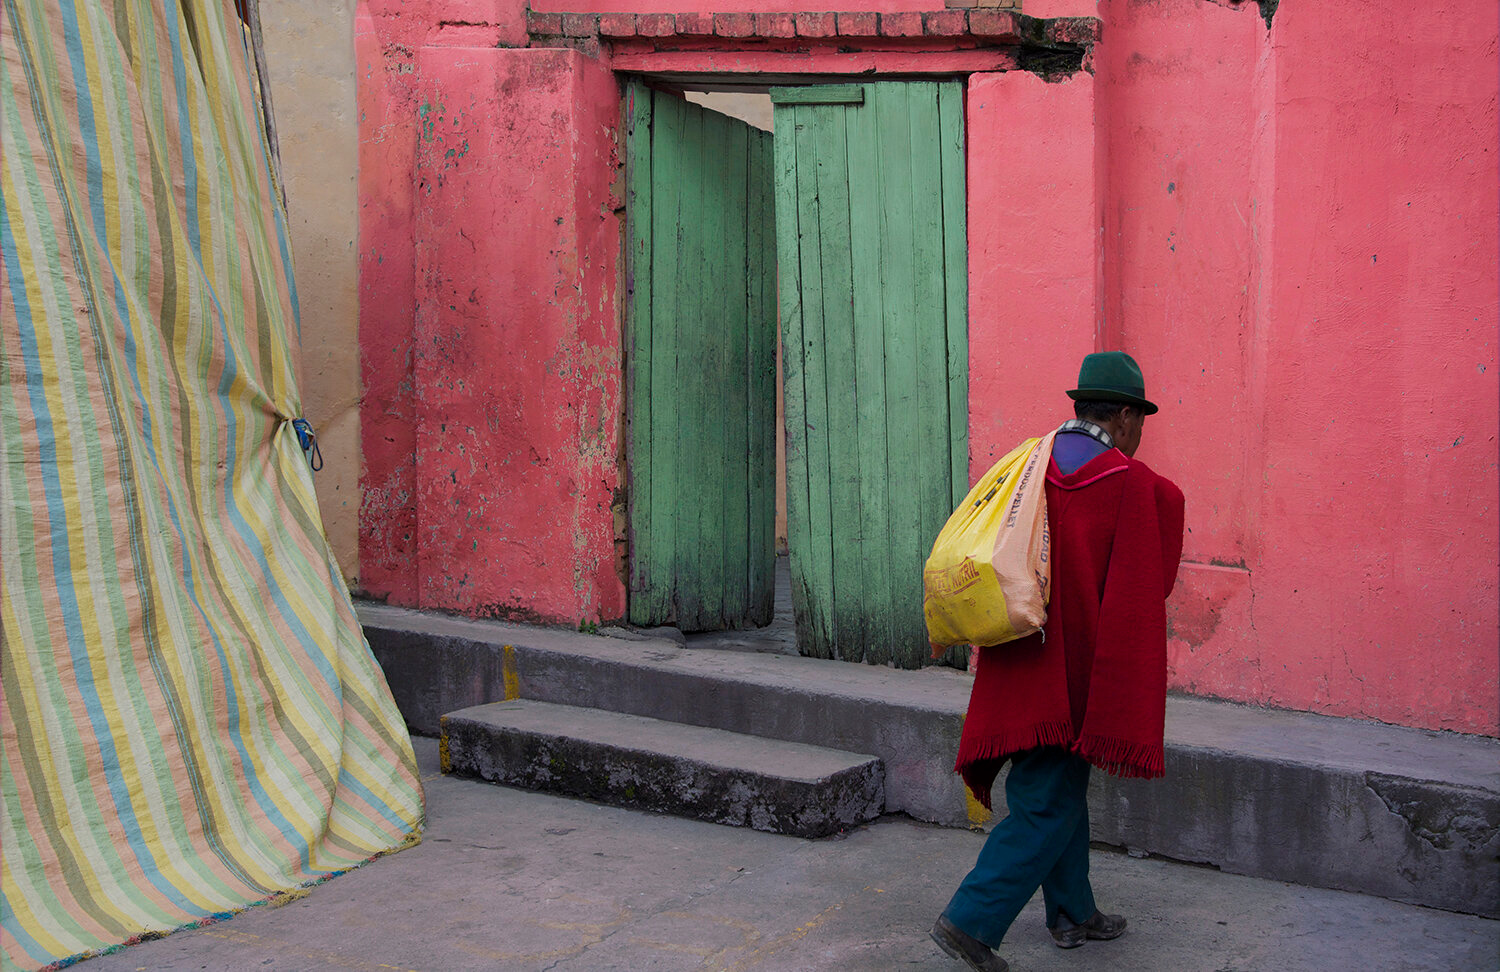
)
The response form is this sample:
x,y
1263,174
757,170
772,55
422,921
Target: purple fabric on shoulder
x,y
1070,450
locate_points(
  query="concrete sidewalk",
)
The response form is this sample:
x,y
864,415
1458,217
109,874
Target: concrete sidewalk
x,y
514,880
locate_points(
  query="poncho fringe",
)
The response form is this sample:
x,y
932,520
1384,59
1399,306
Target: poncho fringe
x,y
1122,757
979,761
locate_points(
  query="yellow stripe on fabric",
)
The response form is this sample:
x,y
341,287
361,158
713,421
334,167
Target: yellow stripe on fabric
x,y
102,64
40,926
52,728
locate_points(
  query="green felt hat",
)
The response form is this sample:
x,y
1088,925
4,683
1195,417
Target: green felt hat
x,y
1112,376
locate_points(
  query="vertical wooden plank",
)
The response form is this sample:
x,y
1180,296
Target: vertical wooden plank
x,y
841,382
692,442
689,440
789,313
772,427
866,192
642,606
789,220
819,575
929,286
667,168
699,287
696,369
760,379
754,235
898,275
956,273
933,481
956,306
732,407
723,307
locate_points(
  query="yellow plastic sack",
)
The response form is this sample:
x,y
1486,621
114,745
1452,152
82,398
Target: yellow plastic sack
x,y
989,575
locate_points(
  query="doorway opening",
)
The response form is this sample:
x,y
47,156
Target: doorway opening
x,y
753,106
797,327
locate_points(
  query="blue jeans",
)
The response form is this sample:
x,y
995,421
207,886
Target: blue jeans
x,y
1044,842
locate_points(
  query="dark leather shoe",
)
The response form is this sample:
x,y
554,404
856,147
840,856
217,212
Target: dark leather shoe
x,y
966,948
1100,928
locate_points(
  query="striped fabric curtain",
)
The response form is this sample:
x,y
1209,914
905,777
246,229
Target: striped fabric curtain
x,y
191,719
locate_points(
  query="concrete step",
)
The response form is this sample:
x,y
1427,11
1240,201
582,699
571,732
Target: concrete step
x,y
650,764
1335,803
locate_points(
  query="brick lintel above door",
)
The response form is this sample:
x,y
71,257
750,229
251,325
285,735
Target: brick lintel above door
x,y
977,38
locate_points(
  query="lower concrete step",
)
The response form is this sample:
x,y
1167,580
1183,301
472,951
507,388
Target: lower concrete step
x,y
649,764
1359,806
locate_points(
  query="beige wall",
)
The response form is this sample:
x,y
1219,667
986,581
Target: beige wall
x,y
310,60
751,107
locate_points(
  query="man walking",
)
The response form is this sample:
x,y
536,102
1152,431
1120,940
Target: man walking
x,y
1087,690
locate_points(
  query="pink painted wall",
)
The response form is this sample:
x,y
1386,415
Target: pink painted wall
x,y
1182,223
1033,287
386,100
1300,247
388,34
1295,237
490,326
517,341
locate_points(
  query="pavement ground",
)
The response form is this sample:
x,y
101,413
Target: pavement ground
x,y
513,880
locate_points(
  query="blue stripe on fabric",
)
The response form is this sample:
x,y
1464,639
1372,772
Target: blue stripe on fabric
x,y
286,261
185,140
348,780
282,242
57,510
43,420
16,930
95,183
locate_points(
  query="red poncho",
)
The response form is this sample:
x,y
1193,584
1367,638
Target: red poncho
x,y
1097,682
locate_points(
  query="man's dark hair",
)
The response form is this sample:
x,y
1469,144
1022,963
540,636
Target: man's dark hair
x,y
1093,410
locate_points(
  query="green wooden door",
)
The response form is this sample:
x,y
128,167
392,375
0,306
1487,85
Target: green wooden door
x,y
873,270
700,366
